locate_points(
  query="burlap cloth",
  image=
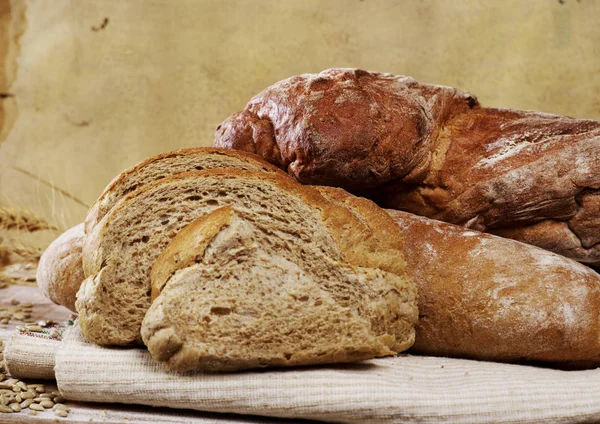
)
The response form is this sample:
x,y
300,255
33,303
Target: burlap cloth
x,y
400,389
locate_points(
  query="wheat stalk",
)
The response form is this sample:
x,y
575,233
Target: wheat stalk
x,y
6,281
4,256
21,220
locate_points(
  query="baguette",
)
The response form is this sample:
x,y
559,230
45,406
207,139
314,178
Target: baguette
x,y
485,297
433,151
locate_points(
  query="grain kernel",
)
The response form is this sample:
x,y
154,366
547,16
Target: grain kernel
x,y
36,407
4,408
47,403
61,413
26,403
15,407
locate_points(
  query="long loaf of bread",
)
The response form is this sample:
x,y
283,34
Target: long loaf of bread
x,y
433,151
485,297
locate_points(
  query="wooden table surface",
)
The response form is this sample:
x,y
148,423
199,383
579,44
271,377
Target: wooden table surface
x,y
90,412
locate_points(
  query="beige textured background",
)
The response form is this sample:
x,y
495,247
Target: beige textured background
x,y
83,100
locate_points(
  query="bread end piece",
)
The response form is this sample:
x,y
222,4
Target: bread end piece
x,y
60,271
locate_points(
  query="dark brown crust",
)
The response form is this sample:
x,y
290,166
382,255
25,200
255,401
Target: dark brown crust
x,y
432,151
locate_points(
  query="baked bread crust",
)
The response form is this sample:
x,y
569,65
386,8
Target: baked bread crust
x,y
490,298
433,151
60,271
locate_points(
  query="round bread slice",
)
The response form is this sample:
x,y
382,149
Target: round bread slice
x,y
119,254
246,302
169,164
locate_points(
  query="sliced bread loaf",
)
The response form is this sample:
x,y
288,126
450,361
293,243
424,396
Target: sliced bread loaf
x,y
166,165
120,252
60,273
244,302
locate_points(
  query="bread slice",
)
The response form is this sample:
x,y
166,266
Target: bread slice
x,y
166,165
119,254
245,302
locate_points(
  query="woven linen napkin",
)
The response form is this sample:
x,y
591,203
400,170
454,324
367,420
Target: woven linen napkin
x,y
402,389
30,355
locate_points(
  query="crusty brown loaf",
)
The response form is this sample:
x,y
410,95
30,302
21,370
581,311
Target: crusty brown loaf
x,y
235,298
433,151
486,297
118,255
60,271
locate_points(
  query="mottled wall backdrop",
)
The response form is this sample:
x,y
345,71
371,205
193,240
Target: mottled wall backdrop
x,y
90,88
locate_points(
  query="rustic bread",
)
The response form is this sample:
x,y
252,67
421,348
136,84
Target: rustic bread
x,y
168,164
120,252
433,151
60,271
486,297
251,299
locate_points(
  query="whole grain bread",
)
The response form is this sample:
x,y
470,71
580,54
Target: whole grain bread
x,y
433,151
60,270
168,164
485,297
250,299
120,252
60,273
